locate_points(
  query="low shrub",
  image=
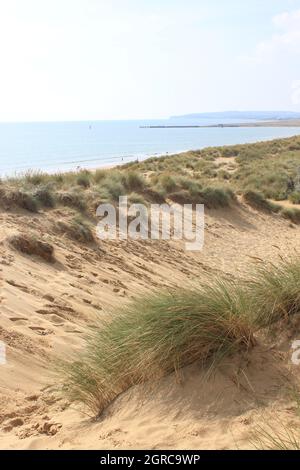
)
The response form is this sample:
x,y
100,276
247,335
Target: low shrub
x,y
83,179
215,198
72,199
157,335
295,197
259,202
134,181
44,196
292,214
23,200
77,229
31,245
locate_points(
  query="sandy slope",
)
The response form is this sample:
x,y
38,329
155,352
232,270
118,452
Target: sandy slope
x,y
45,309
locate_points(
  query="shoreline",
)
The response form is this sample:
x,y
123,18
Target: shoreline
x,y
141,158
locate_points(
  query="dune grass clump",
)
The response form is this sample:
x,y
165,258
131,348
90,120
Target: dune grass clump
x,y
167,183
215,198
212,198
35,177
77,229
73,199
22,199
275,436
295,197
113,184
135,198
275,290
134,181
258,201
29,244
157,335
44,196
99,175
292,214
160,334
83,179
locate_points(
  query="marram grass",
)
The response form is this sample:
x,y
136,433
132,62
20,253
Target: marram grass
x,y
159,334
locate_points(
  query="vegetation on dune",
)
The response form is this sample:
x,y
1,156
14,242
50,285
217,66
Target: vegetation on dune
x,y
157,335
291,214
31,245
275,290
77,229
210,176
258,201
294,197
164,332
275,436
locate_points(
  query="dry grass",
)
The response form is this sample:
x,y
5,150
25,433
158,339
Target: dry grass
x,y
77,229
164,332
259,202
157,335
291,214
29,244
275,435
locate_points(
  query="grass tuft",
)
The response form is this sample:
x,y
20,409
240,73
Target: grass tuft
x,y
157,335
292,214
259,202
77,229
31,245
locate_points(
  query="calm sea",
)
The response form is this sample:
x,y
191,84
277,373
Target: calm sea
x,y
62,146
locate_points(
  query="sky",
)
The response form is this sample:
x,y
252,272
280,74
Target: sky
x,y
133,59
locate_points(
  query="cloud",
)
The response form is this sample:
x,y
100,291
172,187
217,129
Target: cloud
x,y
282,44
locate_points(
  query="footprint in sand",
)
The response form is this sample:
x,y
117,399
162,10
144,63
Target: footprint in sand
x,y
14,423
41,331
19,320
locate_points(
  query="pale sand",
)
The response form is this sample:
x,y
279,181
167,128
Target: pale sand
x,y
45,310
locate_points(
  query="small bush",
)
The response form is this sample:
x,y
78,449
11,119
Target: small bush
x,y
31,245
259,202
157,335
83,179
181,197
154,195
215,198
135,198
72,199
275,291
113,184
23,200
134,181
35,178
291,214
44,196
77,229
295,197
162,333
167,183
223,174
99,175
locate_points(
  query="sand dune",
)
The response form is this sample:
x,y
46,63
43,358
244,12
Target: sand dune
x,y
46,307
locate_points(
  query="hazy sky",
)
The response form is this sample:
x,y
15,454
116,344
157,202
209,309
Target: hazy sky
x,y
126,59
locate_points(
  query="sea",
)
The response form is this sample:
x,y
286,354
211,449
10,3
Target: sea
x,y
64,146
